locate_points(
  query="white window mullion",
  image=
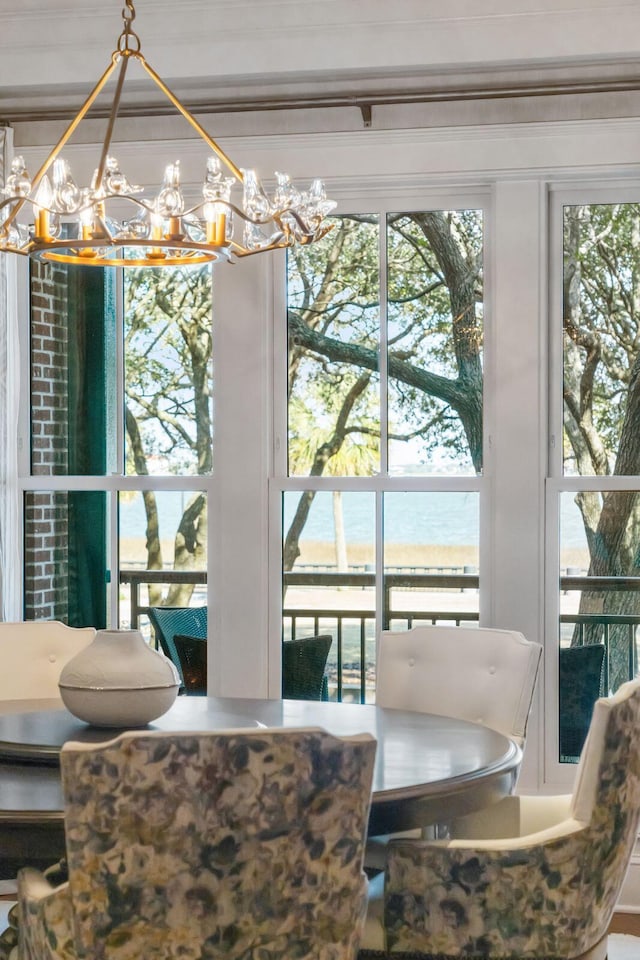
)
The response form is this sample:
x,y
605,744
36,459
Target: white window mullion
x,y
384,424
113,539
518,447
113,562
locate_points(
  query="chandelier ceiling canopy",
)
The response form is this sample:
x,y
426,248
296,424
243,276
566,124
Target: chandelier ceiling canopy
x,y
112,222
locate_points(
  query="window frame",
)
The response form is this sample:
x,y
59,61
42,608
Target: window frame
x,y
561,775
392,201
111,484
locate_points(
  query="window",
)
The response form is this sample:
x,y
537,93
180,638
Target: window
x,y
121,442
383,476
598,463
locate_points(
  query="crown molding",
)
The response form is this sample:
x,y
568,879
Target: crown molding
x,y
216,45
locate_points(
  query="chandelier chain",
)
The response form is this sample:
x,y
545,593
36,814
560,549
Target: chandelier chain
x,y
128,13
129,40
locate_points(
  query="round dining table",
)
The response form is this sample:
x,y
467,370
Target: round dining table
x,y
429,769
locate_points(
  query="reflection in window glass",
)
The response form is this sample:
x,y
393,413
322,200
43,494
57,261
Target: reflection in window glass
x,y
329,582
435,342
168,371
431,558
334,333
167,531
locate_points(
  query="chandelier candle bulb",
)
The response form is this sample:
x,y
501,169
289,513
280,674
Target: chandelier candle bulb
x,y
86,221
221,228
155,253
42,224
41,212
175,229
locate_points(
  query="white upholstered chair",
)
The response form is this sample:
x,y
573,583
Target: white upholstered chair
x,y
32,654
471,673
548,889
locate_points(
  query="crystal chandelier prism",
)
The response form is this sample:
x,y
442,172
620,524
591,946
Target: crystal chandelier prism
x,y
113,222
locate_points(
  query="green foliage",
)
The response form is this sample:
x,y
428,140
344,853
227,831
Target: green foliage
x,y
601,399
334,289
602,333
168,367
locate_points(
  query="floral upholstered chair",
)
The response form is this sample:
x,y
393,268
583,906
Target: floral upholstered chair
x,y
235,844
548,892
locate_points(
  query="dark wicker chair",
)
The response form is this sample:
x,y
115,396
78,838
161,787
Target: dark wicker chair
x,y
580,679
192,655
185,621
303,668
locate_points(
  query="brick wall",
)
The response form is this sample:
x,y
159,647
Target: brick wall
x,y
46,515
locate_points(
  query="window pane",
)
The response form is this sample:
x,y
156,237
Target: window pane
x,y
431,558
66,576
601,339
599,538
162,531
435,342
72,383
168,370
334,331
329,582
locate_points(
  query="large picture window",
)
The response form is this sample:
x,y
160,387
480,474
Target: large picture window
x,y
385,444
598,505
121,443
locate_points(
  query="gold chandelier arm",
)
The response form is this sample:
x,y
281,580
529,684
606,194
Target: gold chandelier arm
x,y
192,120
115,106
86,106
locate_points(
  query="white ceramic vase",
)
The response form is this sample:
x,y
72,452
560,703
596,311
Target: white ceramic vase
x,y
118,680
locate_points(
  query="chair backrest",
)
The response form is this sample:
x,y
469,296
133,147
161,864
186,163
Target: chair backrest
x,y
192,656
303,667
580,673
168,621
606,796
228,844
32,654
478,674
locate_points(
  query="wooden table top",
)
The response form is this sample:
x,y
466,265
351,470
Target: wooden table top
x,y
429,769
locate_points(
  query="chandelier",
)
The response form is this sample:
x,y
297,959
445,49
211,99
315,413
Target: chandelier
x,y
113,222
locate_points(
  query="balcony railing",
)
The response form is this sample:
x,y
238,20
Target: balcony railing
x,y
603,625
352,663
135,579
